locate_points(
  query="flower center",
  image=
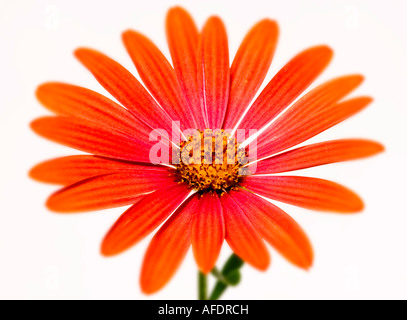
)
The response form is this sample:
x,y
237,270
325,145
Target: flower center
x,y
211,162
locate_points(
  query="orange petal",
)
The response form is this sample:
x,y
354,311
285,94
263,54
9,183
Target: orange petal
x,y
310,193
277,228
125,88
249,68
71,169
183,38
213,72
158,76
318,154
167,250
317,99
142,218
208,231
286,86
107,191
295,128
69,100
241,235
88,137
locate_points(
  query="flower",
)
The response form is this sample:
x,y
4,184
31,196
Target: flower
x,y
201,204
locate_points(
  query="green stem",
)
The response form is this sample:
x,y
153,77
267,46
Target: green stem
x,y
229,276
202,286
219,276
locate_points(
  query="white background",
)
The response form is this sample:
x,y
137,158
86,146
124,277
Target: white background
x,y
49,256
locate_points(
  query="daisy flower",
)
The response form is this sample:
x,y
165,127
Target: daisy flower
x,y
200,198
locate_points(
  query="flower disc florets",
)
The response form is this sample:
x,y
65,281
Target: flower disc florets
x,y
211,161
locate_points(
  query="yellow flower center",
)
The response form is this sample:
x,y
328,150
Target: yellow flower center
x,y
211,162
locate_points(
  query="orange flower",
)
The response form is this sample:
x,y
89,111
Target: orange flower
x,y
202,91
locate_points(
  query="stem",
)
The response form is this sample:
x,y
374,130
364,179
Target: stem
x,y
202,286
219,276
232,266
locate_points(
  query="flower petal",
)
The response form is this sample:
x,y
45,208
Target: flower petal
x,y
318,154
69,100
158,76
71,169
167,250
142,218
208,230
125,88
249,68
241,235
213,72
286,86
107,191
310,193
293,129
277,228
88,137
183,38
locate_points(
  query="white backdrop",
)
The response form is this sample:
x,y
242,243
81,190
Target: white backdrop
x,y
49,256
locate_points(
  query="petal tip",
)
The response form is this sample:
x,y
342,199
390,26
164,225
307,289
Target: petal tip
x,y
149,286
308,258
380,147
82,53
307,264
356,205
360,205
128,33
307,268
147,290
35,125
52,205
205,270
214,20
33,173
176,9
106,251
358,78
327,51
369,99
262,264
269,23
40,90
78,52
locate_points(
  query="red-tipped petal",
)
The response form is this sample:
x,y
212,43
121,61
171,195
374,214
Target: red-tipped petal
x,y
249,68
107,191
286,86
294,129
158,76
69,100
318,154
71,169
88,137
310,193
208,231
125,88
183,38
213,72
167,250
241,235
277,228
143,218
